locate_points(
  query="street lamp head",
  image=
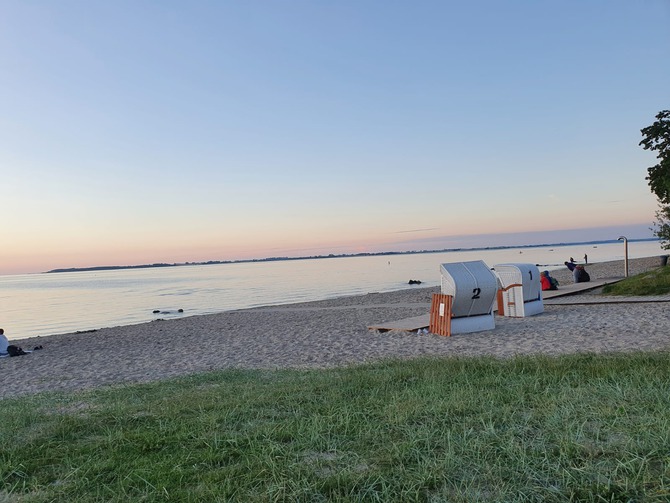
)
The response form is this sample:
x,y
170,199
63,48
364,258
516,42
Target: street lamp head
x,y
622,238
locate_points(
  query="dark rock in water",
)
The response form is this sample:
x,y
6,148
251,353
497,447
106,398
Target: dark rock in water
x,y
180,311
414,282
156,311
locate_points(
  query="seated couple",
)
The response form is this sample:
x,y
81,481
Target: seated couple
x,y
548,282
579,274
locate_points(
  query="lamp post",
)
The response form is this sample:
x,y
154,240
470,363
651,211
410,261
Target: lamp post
x,y
625,252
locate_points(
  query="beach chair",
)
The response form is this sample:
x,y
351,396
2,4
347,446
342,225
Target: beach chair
x,y
472,288
520,292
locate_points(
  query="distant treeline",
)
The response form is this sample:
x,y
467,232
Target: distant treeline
x,y
331,255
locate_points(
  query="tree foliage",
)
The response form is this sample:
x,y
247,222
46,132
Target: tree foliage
x,y
661,227
657,139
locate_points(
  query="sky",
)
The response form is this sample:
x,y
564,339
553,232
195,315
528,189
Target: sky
x,y
136,132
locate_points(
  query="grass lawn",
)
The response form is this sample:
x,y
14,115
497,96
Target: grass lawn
x,y
654,282
574,428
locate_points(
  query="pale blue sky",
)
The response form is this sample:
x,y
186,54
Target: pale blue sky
x,y
136,132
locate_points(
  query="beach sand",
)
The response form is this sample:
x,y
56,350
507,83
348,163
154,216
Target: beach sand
x,y
327,334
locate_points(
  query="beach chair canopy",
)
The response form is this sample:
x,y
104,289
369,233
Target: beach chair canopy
x,y
473,286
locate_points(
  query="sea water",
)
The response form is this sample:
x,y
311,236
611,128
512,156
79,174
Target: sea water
x,y
47,304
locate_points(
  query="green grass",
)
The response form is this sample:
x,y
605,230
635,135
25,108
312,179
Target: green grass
x,y
654,282
574,428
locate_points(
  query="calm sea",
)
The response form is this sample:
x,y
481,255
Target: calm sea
x,y
47,304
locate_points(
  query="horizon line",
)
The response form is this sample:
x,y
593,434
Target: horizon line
x,y
331,255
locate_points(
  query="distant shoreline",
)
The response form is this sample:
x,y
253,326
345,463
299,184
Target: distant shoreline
x,y
331,255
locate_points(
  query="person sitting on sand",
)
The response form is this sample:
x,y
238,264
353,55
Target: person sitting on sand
x,y
3,343
7,349
580,275
547,282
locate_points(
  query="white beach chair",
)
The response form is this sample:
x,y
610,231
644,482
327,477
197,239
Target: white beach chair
x,y
520,294
473,288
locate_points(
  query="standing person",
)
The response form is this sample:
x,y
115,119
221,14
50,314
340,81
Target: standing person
x,y
586,259
3,342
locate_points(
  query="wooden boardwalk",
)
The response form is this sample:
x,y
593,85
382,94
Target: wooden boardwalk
x,y
575,288
422,321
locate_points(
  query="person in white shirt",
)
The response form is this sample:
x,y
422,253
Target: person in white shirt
x,y
3,342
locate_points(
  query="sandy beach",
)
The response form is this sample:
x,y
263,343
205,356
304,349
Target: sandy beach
x,y
330,333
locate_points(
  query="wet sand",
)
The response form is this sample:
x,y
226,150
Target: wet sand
x,y
327,334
